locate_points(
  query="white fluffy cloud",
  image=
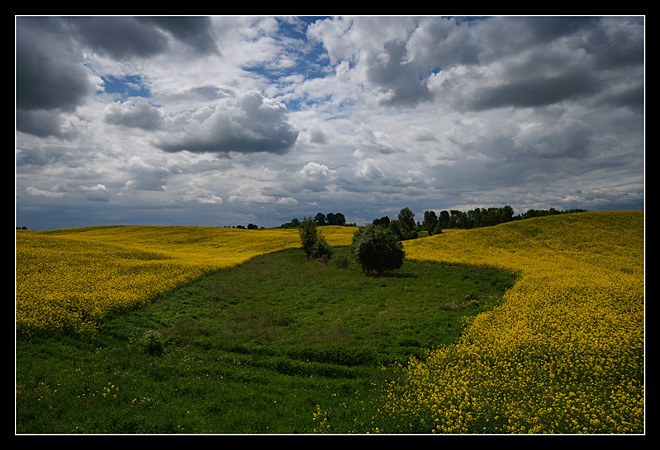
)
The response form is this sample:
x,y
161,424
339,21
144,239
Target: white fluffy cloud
x,y
245,124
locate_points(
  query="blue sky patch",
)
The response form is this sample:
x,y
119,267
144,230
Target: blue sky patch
x,y
126,86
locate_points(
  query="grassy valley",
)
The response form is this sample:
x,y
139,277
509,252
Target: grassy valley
x,y
251,349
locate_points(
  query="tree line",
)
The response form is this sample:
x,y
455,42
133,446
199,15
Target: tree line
x,y
405,226
320,219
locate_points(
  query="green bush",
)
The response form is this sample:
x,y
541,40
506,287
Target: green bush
x,y
154,343
308,236
322,249
314,245
377,249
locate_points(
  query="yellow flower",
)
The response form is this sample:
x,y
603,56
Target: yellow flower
x,y
564,351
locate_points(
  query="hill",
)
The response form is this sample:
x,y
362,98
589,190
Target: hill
x,y
564,353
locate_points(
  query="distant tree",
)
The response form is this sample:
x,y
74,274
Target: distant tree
x,y
506,214
335,219
458,219
295,223
444,219
252,226
430,222
407,228
407,218
383,221
320,219
377,249
240,226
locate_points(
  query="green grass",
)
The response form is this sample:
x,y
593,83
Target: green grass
x,y
250,349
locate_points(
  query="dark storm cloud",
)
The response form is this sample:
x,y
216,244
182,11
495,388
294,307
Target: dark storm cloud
x,y
125,37
245,124
49,74
616,43
403,82
537,91
544,61
506,35
193,31
561,139
546,29
119,37
630,97
40,123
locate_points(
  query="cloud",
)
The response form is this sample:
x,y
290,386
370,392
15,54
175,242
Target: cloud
x,y
315,171
134,113
40,123
228,120
196,32
119,37
369,170
286,201
96,193
50,80
536,91
201,196
31,190
146,177
249,194
566,138
317,136
244,124
49,75
401,82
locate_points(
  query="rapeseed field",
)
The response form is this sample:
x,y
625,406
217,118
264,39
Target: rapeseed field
x,y
68,280
563,353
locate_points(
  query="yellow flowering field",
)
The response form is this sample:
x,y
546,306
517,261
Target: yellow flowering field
x,y
70,279
563,353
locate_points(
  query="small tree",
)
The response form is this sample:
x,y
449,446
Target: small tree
x,y
322,249
308,235
313,243
377,249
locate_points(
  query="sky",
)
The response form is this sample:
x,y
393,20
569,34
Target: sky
x,y
230,120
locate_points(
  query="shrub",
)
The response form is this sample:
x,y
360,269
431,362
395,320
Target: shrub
x,y
314,245
322,249
154,343
377,249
